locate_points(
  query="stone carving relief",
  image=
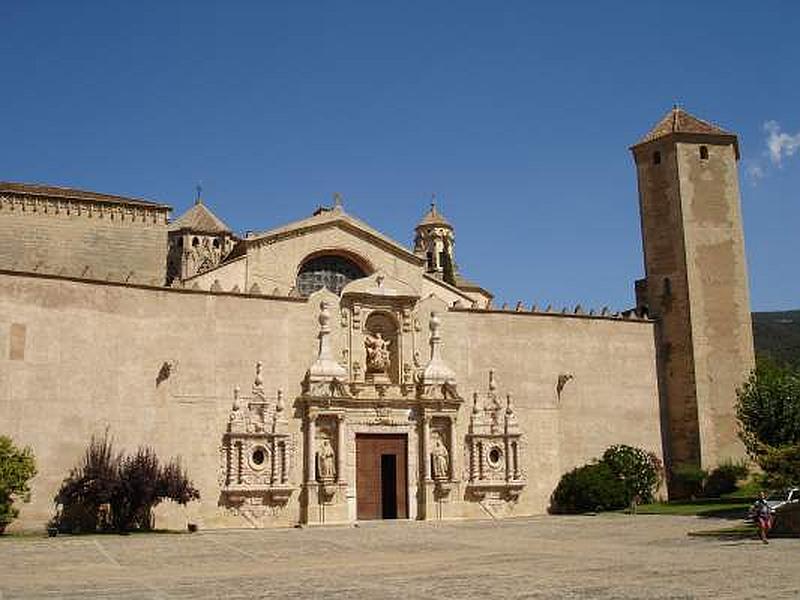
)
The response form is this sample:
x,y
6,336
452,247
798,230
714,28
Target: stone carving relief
x,y
494,448
378,358
326,462
380,345
440,459
257,453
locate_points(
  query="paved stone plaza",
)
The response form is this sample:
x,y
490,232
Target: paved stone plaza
x,y
545,557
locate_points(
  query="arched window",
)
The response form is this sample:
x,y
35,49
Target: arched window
x,y
703,152
332,271
656,157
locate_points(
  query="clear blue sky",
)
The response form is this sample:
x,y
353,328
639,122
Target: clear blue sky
x,y
518,115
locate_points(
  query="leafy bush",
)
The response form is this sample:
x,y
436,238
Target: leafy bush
x,y
87,492
723,479
110,490
592,487
689,480
639,470
17,468
781,466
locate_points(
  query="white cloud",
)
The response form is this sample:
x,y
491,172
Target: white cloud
x,y
754,172
779,143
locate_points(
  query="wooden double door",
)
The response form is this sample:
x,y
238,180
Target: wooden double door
x,y
381,476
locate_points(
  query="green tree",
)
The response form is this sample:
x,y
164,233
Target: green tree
x,y
17,468
448,269
639,470
768,411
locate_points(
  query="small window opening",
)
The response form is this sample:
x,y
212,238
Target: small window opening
x,y
703,152
430,261
216,243
195,241
258,456
656,157
494,456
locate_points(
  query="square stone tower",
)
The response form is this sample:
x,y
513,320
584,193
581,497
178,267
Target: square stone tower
x,y
696,285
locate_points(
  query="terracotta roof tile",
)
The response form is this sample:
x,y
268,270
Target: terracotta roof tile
x,y
678,120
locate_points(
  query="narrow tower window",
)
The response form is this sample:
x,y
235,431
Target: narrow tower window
x,y
656,157
703,152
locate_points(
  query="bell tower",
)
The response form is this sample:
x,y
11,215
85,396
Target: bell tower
x,y
695,285
198,241
434,240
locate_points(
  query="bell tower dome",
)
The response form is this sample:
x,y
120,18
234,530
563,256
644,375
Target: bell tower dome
x,y
434,240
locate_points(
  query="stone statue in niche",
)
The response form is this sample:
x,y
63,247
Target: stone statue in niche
x,y
326,461
378,357
441,460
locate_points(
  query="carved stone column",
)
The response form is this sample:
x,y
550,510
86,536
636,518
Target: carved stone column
x,y
426,445
340,450
311,450
454,452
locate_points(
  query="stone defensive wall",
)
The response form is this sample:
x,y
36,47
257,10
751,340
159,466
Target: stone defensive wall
x,y
82,234
157,366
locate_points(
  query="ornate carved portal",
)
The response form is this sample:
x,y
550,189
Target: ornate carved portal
x,y
382,391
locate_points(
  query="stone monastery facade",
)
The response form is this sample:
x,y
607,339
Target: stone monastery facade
x,y
323,373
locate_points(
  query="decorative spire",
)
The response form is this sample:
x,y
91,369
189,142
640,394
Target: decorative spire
x,y
325,368
436,371
199,193
337,201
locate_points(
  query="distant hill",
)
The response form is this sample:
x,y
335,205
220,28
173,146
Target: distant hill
x,y
777,334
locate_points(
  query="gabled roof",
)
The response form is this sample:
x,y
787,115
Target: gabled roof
x,y
199,219
434,217
52,191
380,284
678,121
335,217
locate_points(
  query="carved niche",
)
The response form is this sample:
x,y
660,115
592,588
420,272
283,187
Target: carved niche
x,y
494,448
257,453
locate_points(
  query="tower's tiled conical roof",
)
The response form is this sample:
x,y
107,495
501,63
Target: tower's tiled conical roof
x,y
679,122
434,217
199,219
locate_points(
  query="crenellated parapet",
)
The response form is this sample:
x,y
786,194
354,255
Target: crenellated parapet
x,y
116,211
